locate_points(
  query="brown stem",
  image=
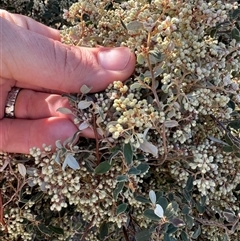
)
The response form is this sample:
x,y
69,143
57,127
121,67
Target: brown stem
x,y
87,230
96,137
125,233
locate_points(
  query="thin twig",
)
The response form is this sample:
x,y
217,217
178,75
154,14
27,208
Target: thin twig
x,y
87,229
125,233
2,213
97,141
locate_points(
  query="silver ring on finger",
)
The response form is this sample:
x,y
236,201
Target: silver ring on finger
x,y
11,101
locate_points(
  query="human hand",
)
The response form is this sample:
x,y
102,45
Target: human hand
x,y
33,59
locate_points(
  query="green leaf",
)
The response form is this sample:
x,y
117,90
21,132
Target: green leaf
x,y
159,194
37,197
39,217
235,13
22,198
200,208
128,153
231,104
236,34
168,238
89,166
187,195
44,229
30,228
203,200
143,167
122,178
141,199
115,152
170,197
134,171
149,213
235,124
140,58
185,209
156,54
177,222
140,157
228,140
184,236
25,221
227,149
171,209
103,231
163,202
121,208
189,184
118,189
197,232
189,221
171,229
237,154
56,230
144,235
103,167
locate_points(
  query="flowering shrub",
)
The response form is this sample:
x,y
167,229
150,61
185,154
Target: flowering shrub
x,y
167,165
45,11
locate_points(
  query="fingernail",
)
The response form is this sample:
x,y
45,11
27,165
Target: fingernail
x,y
115,59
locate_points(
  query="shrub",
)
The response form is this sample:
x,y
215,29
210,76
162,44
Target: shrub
x,y
167,165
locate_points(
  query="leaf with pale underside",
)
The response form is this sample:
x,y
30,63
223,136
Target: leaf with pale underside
x,y
71,162
158,211
170,123
58,144
85,89
4,165
84,104
65,111
148,147
84,125
134,25
152,196
22,169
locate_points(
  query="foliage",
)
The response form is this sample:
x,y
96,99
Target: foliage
x,y
48,12
167,165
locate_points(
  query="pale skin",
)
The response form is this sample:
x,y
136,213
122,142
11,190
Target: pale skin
x,y
33,58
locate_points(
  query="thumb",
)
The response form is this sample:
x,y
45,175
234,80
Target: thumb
x,y
32,58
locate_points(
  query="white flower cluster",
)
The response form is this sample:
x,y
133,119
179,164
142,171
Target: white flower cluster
x,y
216,173
134,115
206,102
81,188
15,218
